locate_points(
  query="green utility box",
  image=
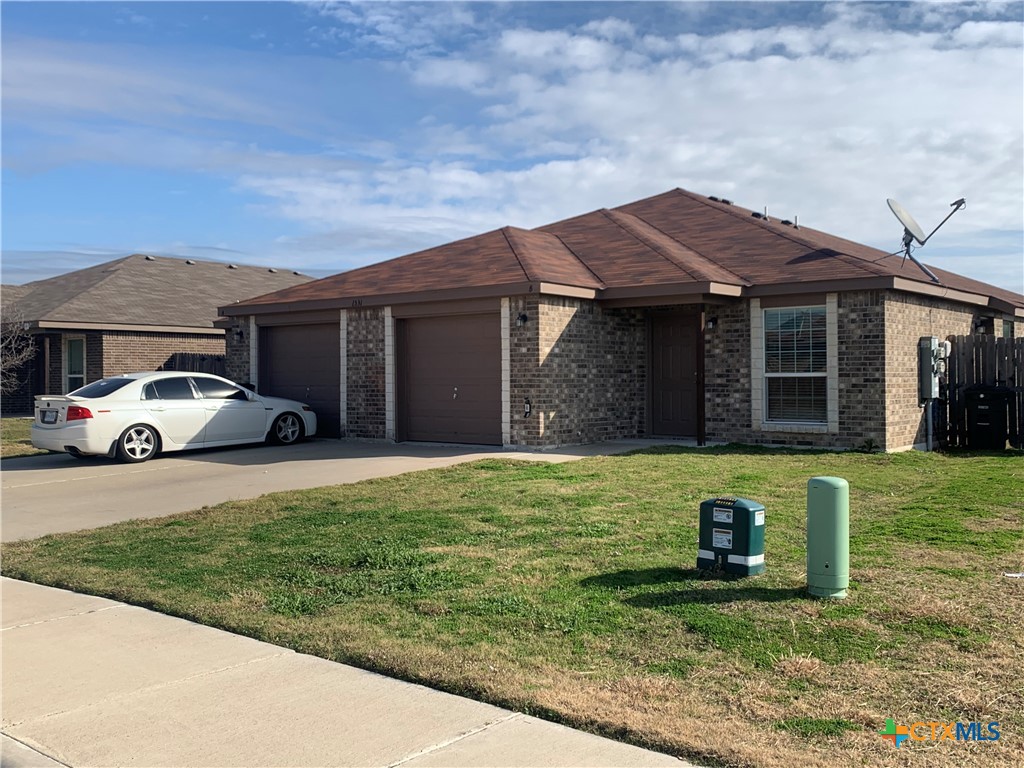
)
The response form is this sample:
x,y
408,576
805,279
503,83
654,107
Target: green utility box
x,y
731,536
828,536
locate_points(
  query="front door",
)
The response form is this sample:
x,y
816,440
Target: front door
x,y
675,373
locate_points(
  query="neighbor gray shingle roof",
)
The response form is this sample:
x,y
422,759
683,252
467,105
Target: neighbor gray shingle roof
x,y
145,290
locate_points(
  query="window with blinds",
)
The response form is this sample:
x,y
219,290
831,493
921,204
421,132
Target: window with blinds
x,y
795,365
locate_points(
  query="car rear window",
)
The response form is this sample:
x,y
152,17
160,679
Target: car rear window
x,y
177,388
101,388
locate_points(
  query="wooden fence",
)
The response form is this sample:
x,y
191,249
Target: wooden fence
x,y
983,360
193,362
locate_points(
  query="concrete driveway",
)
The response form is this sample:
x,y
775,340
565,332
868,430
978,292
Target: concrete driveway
x,y
89,681
57,493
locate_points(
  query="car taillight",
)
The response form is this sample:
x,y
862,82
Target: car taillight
x,y
76,412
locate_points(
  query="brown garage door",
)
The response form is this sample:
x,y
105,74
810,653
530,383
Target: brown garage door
x,y
303,362
449,379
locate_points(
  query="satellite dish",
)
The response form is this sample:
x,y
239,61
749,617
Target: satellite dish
x,y
907,220
912,230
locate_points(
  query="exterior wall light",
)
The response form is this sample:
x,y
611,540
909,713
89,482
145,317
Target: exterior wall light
x,y
521,320
711,323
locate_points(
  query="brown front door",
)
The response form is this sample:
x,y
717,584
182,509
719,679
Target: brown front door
x,y
449,379
675,373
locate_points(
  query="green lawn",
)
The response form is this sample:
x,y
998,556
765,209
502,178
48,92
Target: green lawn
x,y
16,438
568,591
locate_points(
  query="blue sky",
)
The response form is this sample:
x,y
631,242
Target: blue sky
x,y
322,137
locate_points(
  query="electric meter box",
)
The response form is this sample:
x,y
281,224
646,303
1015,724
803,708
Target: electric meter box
x,y
731,536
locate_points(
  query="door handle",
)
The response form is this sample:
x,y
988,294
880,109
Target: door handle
x,y
159,408
455,394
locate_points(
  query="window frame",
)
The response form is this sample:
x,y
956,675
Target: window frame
x,y
766,420
65,357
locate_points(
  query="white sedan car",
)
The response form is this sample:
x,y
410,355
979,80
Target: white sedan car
x,y
136,416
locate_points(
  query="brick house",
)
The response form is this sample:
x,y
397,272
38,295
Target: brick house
x,y
675,316
138,313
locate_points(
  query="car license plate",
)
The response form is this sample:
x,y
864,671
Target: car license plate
x,y
49,417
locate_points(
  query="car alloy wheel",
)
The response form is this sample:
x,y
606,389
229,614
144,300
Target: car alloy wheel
x,y
287,429
137,443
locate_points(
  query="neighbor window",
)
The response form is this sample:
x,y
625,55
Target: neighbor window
x,y
796,365
74,363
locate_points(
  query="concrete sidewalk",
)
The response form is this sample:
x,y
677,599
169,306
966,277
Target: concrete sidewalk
x,y
93,682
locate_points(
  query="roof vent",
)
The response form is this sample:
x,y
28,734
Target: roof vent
x,y
189,261
712,197
232,266
272,270
787,222
297,273
150,258
727,202
757,215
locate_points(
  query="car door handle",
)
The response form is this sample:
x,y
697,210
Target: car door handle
x,y
157,408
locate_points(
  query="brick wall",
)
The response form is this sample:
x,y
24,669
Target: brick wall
x,y
907,318
727,389
130,351
367,401
583,369
524,371
862,397
861,371
237,351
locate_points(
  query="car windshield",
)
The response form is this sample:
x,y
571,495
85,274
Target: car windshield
x,y
101,388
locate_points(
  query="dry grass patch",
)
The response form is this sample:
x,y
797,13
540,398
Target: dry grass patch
x,y
16,438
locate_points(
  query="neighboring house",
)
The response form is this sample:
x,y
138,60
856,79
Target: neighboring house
x,y
138,313
677,316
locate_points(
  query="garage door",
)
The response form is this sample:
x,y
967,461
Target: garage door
x,y
303,362
449,379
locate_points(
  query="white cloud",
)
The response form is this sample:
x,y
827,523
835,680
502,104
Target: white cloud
x,y
824,122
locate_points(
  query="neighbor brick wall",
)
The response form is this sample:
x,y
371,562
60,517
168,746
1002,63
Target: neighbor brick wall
x,y
907,318
131,351
583,368
367,401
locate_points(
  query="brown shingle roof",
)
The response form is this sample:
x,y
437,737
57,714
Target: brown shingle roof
x,y
146,290
675,239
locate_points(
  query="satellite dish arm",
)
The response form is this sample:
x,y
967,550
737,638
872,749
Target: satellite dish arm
x,y
956,205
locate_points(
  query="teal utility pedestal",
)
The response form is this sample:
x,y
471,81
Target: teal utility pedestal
x,y
731,536
828,537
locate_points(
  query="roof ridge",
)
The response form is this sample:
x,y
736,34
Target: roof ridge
x,y
739,278
606,212
597,278
505,233
856,260
528,258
